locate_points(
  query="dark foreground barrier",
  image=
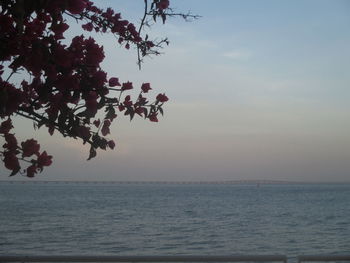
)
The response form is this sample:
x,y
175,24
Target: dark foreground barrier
x,y
231,258
323,258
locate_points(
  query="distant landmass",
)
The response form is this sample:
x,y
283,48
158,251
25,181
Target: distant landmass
x,y
256,182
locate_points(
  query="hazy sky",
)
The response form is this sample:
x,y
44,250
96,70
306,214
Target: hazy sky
x,y
258,90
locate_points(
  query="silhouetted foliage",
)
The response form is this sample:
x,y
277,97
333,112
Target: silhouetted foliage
x,y
63,87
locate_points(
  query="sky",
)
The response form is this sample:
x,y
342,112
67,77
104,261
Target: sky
x,y
259,90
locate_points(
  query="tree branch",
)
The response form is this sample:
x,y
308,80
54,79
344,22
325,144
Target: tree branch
x,y
139,60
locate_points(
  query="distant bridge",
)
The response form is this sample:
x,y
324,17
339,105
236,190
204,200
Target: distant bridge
x,y
255,182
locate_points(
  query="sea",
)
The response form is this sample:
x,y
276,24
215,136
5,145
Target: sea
x,y
173,219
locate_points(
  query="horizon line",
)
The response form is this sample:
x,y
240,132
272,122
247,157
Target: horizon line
x,y
252,181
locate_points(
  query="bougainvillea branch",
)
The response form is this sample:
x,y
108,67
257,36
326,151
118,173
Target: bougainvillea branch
x,y
157,9
63,86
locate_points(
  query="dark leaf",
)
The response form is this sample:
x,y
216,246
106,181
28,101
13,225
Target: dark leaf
x,y
95,140
17,62
111,100
110,113
14,172
153,109
132,114
71,120
62,119
103,143
92,153
101,103
163,18
41,123
51,129
83,114
161,110
128,110
146,112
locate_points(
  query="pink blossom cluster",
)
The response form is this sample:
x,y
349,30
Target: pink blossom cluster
x,y
13,152
67,90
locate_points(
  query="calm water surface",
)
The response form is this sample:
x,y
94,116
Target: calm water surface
x,y
148,219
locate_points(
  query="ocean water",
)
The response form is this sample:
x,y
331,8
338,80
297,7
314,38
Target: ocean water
x,y
174,219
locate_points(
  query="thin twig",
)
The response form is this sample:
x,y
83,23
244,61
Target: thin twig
x,y
139,60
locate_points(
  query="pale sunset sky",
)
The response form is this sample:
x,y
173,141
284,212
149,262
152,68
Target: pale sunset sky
x,y
258,90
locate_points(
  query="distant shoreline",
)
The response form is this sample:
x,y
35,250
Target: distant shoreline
x,y
228,182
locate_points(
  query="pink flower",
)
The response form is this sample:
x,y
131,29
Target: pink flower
x,y
44,160
99,79
140,111
97,123
11,142
76,6
11,161
150,44
88,27
127,101
153,117
84,133
91,102
146,87
127,85
108,14
111,144
30,147
59,29
162,98
62,56
6,126
114,82
31,171
132,28
163,4
105,128
14,98
94,53
121,107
